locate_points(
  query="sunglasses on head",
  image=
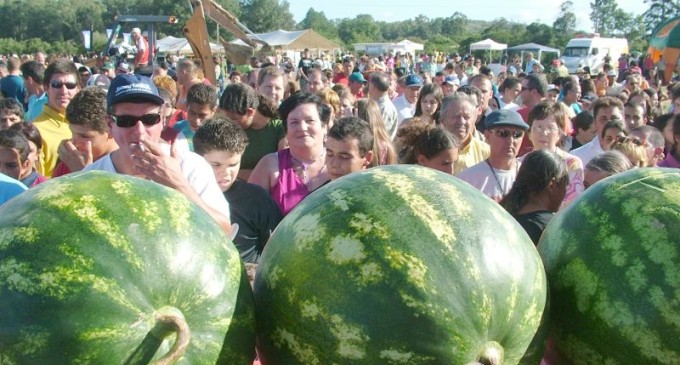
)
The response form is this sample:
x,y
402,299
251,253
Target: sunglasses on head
x,y
504,133
634,141
58,84
128,121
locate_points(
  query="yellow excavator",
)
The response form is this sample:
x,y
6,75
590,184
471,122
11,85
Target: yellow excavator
x,y
196,33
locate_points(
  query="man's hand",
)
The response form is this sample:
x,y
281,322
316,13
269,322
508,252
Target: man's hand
x,y
74,159
151,162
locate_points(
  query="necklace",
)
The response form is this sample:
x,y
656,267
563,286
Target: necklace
x,y
304,166
500,186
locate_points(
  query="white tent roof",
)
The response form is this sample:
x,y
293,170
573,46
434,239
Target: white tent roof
x,y
406,44
293,40
488,45
172,44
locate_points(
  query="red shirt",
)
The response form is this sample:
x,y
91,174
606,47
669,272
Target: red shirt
x,y
142,56
526,145
341,78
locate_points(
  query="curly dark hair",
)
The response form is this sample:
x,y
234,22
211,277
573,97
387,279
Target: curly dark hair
x,y
88,109
220,134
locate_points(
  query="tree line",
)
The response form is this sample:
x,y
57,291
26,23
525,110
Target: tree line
x,y
55,25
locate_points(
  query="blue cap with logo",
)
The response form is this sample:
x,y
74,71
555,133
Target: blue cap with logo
x,y
132,89
413,80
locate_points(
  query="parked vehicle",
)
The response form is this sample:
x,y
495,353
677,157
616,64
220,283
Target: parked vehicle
x,y
592,52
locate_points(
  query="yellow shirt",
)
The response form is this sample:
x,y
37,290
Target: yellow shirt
x,y
475,152
53,128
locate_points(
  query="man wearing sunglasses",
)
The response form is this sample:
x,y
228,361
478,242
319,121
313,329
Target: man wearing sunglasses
x,y
61,84
136,122
494,176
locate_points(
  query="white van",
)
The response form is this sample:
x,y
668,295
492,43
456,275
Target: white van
x,y
591,52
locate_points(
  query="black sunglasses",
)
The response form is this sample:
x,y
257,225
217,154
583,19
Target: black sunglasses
x,y
504,133
58,84
128,121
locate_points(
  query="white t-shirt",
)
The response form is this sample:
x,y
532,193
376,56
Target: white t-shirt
x,y
195,169
588,151
405,109
494,183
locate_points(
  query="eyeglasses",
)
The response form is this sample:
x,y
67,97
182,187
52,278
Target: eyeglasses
x,y
58,84
128,121
504,133
634,141
546,130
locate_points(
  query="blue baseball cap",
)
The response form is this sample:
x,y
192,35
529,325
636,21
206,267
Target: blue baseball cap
x,y
413,80
133,89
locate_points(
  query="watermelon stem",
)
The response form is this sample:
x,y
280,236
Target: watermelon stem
x,y
492,353
169,320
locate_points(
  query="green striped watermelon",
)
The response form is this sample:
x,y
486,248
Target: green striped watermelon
x,y
99,268
613,264
398,265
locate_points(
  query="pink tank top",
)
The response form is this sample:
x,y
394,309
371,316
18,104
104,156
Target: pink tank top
x,y
289,190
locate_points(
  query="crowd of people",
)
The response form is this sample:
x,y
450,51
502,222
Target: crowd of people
x,y
251,148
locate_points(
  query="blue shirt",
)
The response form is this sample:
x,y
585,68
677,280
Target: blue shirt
x,y
35,106
9,188
12,86
184,127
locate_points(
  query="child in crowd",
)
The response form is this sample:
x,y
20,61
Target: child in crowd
x,y
11,112
349,147
91,138
14,158
427,145
201,105
221,142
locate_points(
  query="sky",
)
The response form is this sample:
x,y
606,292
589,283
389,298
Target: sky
x,y
523,11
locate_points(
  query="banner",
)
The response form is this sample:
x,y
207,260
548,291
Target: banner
x,y
87,39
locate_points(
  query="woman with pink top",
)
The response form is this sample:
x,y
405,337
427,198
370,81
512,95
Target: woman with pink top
x,y
549,125
292,173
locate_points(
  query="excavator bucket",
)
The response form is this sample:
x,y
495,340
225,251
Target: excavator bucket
x,y
196,33
237,53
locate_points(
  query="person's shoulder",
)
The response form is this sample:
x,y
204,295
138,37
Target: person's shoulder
x,y
104,164
472,171
244,188
181,125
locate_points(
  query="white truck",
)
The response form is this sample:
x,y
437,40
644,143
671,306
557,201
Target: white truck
x,y
591,52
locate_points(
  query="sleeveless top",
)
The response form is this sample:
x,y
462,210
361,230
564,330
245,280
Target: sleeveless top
x,y
290,189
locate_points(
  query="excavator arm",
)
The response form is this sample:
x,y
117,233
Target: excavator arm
x,y
196,33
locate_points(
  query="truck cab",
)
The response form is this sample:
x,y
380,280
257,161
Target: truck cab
x,y
592,52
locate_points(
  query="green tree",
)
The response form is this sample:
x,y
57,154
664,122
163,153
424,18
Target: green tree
x,y
266,15
363,28
602,14
455,25
503,31
565,24
317,20
660,11
540,33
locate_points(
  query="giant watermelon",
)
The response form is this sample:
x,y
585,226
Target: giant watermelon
x,y
398,265
613,264
99,268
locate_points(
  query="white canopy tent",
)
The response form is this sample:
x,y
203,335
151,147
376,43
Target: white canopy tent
x,y
533,47
488,45
175,45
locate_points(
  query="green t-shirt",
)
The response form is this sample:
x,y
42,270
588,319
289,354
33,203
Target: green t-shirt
x,y
261,142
